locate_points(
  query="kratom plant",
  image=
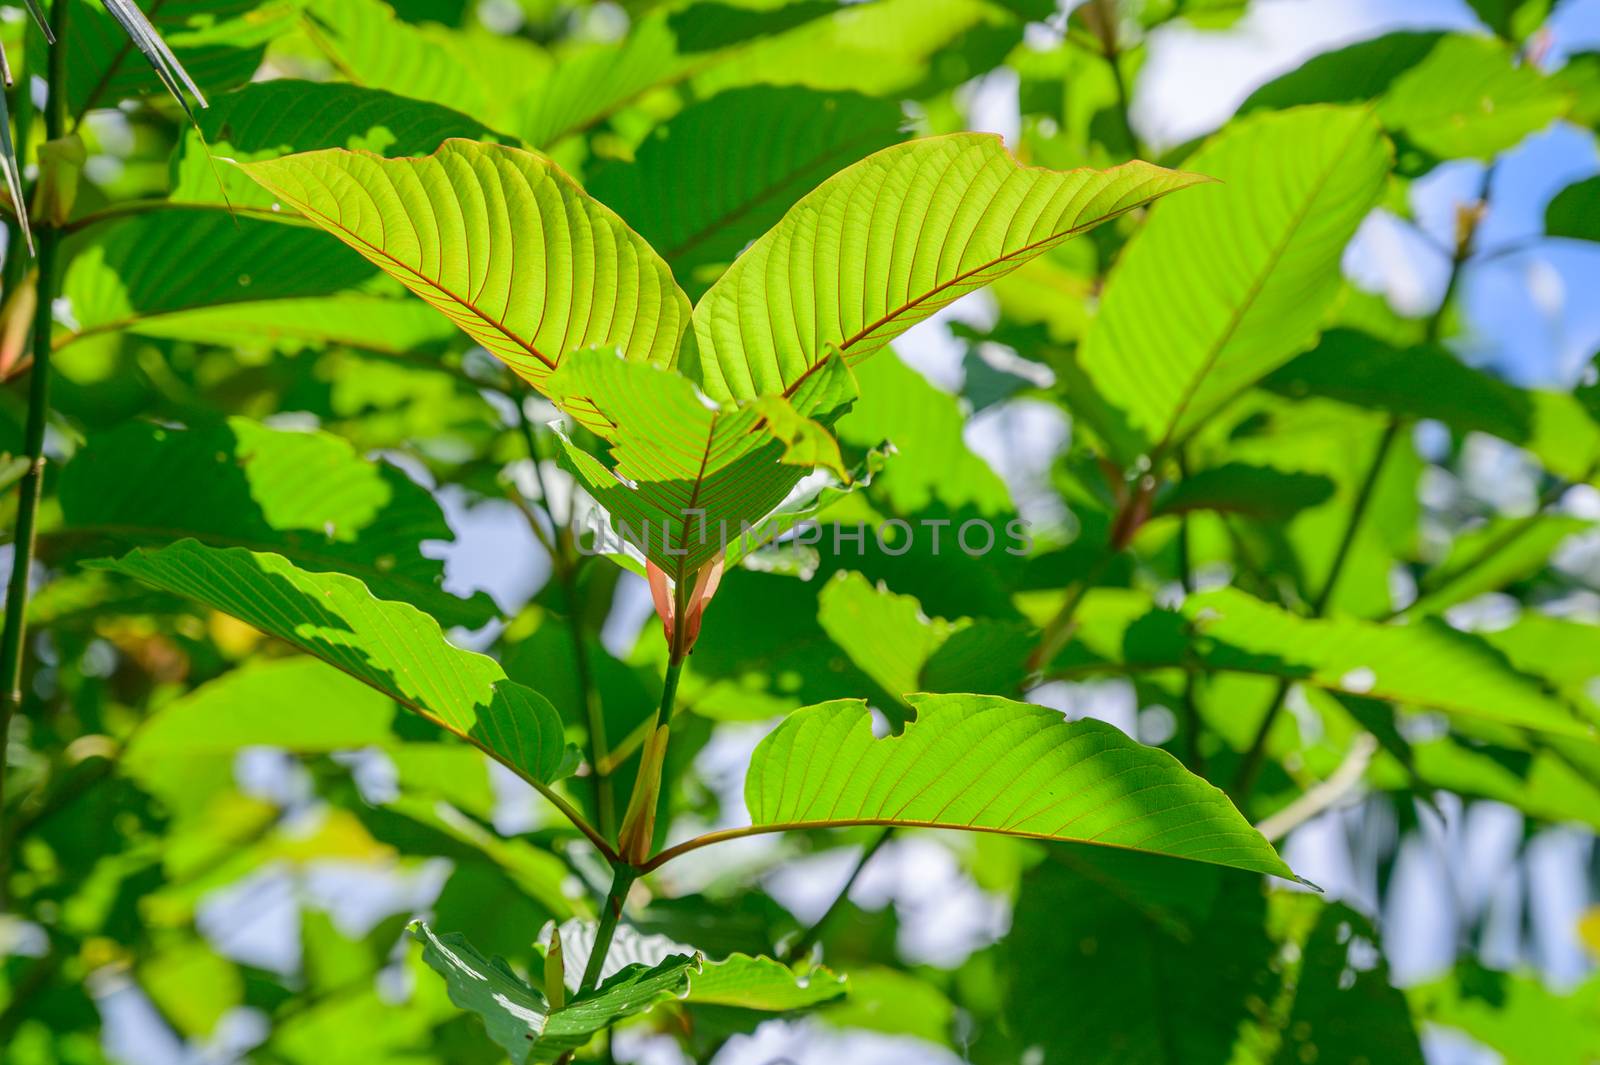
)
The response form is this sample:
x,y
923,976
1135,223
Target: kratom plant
x,y
609,293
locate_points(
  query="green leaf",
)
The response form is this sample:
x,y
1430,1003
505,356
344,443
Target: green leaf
x,y
884,244
383,325
742,982
269,119
895,49
502,242
700,187
242,484
1425,664
1487,559
894,642
1257,492
294,703
739,980
519,1018
1109,932
1443,96
171,262
392,647
368,45
1575,211
686,479
992,765
895,1003
1345,1008
1515,20
936,484
1221,287
1426,381
1515,1015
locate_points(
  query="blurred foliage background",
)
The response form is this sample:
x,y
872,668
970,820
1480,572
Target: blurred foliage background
x,y
212,845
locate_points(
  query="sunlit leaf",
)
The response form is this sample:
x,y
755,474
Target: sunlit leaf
x,y
1425,664
701,478
1226,284
519,1017
242,484
848,272
502,242
991,765
1442,95
392,647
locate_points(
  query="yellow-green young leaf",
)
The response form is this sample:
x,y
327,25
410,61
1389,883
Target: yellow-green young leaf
x,y
885,243
500,240
392,647
1225,285
988,764
687,478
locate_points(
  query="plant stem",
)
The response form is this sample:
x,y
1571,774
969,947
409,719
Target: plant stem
x,y
1111,51
622,878
49,238
810,935
564,563
1193,756
1255,755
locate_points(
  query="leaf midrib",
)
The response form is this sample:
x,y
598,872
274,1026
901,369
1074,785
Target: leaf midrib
x,y
1236,316
1066,234
426,281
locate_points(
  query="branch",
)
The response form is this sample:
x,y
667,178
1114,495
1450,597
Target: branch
x,y
1325,795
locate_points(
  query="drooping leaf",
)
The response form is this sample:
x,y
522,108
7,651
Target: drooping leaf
x,y
519,1018
884,244
700,187
392,647
689,481
992,765
306,496
1575,211
1224,285
499,240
